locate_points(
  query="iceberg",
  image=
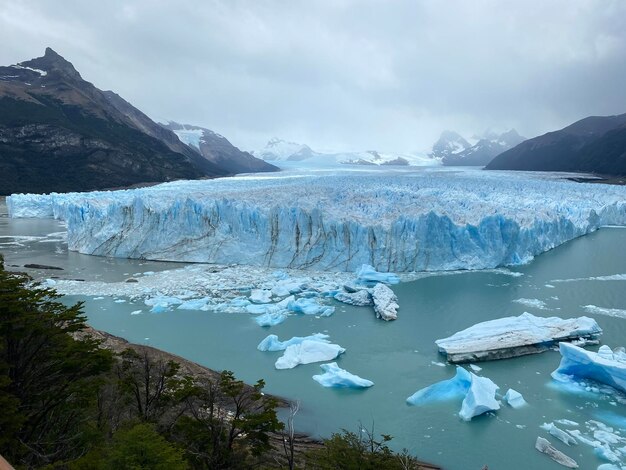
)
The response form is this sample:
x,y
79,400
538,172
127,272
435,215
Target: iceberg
x,y
360,298
418,221
271,342
385,302
604,366
514,399
544,446
336,377
310,307
367,275
478,394
480,398
515,336
307,352
271,319
561,435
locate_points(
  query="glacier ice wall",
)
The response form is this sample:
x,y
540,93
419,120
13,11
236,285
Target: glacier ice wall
x,y
402,222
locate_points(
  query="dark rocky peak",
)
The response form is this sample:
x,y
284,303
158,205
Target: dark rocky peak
x,y
54,64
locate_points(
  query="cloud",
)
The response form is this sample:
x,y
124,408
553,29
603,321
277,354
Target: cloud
x,y
340,74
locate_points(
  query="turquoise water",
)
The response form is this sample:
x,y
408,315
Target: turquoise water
x,y
398,356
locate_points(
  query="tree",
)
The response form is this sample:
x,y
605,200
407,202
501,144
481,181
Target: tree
x,y
225,422
48,377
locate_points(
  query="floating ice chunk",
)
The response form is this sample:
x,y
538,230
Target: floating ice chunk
x,y
475,368
136,312
162,303
271,319
261,296
609,312
307,352
385,302
544,446
271,342
480,398
582,438
608,466
535,303
310,307
604,452
559,433
360,298
612,418
566,422
194,304
451,389
367,275
514,336
582,364
514,398
286,287
334,376
119,301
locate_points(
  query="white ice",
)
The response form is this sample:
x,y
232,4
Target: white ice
x,y
336,377
514,398
393,221
514,336
307,352
559,433
271,342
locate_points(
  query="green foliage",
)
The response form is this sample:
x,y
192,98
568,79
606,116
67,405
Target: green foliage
x,y
226,423
359,451
48,378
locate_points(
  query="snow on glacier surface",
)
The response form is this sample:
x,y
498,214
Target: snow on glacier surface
x,y
393,221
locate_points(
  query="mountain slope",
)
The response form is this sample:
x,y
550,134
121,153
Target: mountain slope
x,y
596,144
449,143
217,149
481,153
59,132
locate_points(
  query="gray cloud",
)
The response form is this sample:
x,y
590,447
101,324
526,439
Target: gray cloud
x,y
342,74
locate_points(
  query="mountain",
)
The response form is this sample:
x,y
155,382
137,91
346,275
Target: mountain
x,y
486,149
596,144
450,143
217,149
281,150
278,150
60,133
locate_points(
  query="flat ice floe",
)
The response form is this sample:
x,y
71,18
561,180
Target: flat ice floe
x,y
307,352
336,377
515,336
401,222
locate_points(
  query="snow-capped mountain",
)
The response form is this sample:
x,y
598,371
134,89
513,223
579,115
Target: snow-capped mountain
x,y
277,150
218,149
449,143
489,145
281,150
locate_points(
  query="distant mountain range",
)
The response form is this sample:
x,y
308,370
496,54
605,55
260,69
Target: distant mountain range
x,y
596,144
453,150
278,150
59,132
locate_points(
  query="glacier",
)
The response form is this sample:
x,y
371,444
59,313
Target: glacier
x,y
605,367
391,221
478,394
336,377
515,336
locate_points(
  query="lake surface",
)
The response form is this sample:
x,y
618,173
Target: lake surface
x,y
399,357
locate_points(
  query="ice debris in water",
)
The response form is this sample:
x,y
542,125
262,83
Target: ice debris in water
x,y
385,302
424,221
544,446
606,366
478,394
559,433
336,377
271,342
310,307
307,352
368,276
514,398
515,336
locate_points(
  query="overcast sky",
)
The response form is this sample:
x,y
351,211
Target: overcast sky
x,y
340,74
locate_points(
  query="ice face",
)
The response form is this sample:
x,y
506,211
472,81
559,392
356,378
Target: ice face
x,y
478,394
604,366
336,377
514,336
271,342
307,352
424,221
